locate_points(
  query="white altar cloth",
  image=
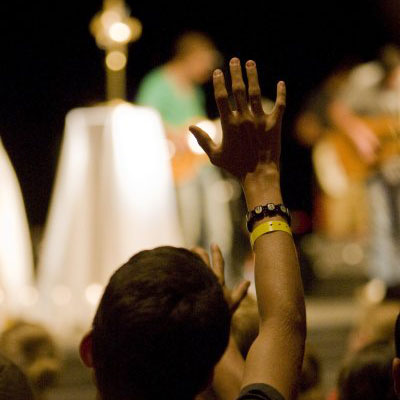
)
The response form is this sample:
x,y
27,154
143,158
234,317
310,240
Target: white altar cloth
x,y
16,261
113,197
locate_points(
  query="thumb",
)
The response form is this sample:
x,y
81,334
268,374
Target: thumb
x,y
238,294
203,139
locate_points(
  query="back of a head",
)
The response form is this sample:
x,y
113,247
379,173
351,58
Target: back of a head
x,y
13,383
368,374
189,42
310,380
375,325
161,326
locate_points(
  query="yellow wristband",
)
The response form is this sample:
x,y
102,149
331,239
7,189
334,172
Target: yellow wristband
x,y
268,227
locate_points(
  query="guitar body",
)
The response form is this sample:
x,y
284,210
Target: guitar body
x,y
352,163
341,206
188,157
185,165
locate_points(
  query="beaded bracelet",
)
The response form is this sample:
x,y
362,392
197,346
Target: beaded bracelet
x,y
268,210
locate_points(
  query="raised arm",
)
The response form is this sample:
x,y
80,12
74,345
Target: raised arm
x,y
250,150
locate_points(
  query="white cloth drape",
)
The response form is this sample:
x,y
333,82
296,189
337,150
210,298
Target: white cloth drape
x,y
16,261
113,197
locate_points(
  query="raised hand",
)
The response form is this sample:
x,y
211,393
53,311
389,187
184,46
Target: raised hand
x,y
251,138
250,150
233,297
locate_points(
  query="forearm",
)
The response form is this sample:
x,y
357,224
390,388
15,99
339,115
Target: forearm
x,y
278,281
252,139
277,272
262,186
280,300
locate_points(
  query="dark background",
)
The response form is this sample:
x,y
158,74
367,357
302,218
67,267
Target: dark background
x,y
50,64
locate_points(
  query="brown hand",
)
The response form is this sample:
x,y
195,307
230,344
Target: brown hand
x,y
251,138
233,297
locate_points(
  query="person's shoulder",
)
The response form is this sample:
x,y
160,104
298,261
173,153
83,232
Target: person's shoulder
x,y
152,88
259,391
200,93
155,75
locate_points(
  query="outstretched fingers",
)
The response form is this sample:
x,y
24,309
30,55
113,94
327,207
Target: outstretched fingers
x,y
254,89
238,294
280,102
238,86
218,263
202,254
221,94
233,297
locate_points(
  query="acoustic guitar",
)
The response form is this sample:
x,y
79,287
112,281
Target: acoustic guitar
x,y
187,162
336,146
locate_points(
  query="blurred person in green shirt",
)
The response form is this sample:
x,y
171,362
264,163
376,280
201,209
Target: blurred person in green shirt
x,y
174,90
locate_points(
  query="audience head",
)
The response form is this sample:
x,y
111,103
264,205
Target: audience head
x,y
310,380
161,326
13,383
367,374
198,54
375,325
30,346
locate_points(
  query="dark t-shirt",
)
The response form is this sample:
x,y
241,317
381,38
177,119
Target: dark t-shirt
x,y
259,391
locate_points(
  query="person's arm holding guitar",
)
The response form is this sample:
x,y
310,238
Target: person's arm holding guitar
x,y
363,138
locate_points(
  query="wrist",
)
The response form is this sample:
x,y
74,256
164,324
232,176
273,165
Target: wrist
x,y
262,188
254,199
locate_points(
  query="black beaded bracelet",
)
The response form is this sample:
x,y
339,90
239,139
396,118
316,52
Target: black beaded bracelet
x,y
269,210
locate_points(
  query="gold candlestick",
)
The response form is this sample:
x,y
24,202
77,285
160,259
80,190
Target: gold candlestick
x,y
113,29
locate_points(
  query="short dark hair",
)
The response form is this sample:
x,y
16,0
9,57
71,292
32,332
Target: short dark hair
x,y
368,374
191,41
161,326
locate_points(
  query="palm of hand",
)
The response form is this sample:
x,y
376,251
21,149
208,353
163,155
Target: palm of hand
x,y
250,137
